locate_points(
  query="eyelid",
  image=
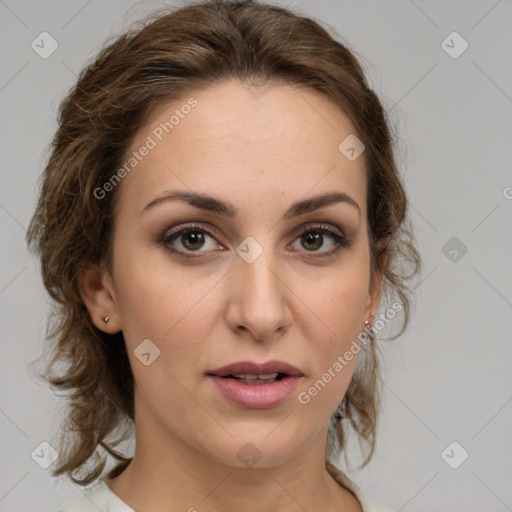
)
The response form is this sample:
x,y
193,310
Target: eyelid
x,y
167,236
332,231
319,226
213,232
190,227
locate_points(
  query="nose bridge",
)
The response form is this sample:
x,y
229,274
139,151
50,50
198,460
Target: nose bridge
x,y
258,295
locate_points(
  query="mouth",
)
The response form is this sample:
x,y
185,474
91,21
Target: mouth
x,y
256,386
252,379
255,372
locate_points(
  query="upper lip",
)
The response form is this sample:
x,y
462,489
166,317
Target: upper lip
x,y
256,368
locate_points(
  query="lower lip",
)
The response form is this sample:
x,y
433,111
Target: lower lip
x,y
258,396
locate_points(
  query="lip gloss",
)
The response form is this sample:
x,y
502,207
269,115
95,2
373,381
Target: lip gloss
x,y
256,396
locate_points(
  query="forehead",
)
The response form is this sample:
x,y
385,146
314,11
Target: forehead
x,y
229,138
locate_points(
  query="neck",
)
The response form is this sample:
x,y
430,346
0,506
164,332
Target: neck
x,y
168,474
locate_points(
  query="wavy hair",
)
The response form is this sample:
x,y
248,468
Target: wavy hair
x,y
160,59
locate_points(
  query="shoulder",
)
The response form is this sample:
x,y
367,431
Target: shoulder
x,y
368,504
92,499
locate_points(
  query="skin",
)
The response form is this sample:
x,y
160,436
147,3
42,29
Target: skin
x,y
261,150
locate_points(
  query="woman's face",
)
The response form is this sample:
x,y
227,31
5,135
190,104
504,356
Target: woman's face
x,y
247,282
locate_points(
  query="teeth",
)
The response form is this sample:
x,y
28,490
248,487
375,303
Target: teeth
x,y
250,376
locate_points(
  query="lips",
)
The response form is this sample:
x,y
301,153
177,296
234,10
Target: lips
x,y
256,385
253,368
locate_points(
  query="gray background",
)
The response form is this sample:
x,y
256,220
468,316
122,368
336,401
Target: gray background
x,y
448,377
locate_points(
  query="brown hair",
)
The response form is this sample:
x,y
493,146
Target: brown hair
x,y
160,59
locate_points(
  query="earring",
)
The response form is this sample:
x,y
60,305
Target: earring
x,y
106,319
340,411
368,325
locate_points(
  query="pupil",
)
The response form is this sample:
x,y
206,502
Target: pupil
x,y
312,238
197,238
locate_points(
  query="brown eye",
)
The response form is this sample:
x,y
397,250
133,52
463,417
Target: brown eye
x,y
313,239
189,240
192,240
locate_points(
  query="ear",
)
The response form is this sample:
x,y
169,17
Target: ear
x,y
97,292
376,283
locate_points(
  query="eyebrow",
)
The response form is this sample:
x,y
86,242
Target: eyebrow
x,y
211,204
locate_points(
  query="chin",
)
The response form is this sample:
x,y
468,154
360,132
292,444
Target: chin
x,y
256,451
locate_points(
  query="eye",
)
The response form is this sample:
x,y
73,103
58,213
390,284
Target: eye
x,y
191,238
313,238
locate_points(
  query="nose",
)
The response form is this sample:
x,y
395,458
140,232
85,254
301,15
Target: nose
x,y
258,298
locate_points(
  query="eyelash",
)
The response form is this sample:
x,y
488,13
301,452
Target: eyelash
x,y
340,240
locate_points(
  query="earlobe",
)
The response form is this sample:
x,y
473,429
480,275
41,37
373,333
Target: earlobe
x,y
99,298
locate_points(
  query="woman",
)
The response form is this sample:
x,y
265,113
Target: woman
x,y
218,221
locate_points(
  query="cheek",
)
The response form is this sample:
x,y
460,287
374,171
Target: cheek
x,y
334,344
167,305
339,299
154,294
342,303
338,302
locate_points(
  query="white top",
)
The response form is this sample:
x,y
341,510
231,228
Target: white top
x,y
99,497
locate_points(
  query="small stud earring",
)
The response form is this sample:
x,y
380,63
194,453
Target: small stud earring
x,y
367,323
106,319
